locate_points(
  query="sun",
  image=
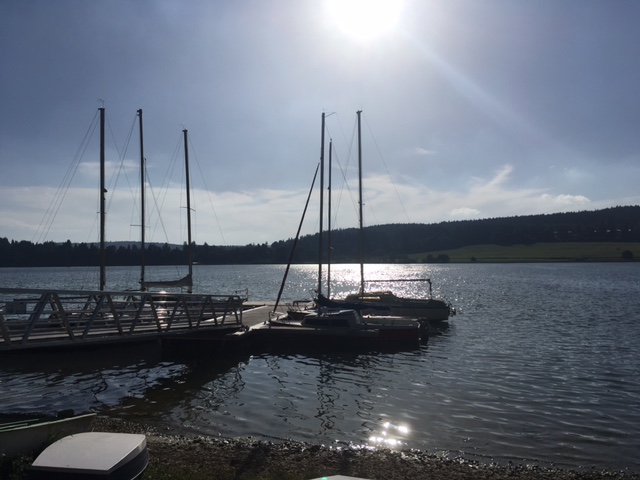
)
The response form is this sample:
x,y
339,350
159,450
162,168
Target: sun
x,y
365,20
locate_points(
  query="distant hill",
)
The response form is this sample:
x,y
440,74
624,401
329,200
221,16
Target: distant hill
x,y
382,243
537,252
619,224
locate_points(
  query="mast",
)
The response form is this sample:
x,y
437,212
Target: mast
x,y
329,225
103,191
360,204
321,206
142,202
189,248
295,242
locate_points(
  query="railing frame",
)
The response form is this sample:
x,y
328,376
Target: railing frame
x,y
45,318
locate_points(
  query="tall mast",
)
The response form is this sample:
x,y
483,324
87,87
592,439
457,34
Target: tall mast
x,y
295,242
186,168
360,204
321,206
142,202
102,204
329,225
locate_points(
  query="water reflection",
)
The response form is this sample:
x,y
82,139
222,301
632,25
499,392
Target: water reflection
x,y
345,278
83,381
203,386
539,366
390,436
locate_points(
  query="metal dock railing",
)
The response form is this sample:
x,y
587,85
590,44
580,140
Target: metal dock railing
x,y
40,319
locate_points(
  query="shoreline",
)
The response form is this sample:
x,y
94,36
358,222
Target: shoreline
x,y
195,457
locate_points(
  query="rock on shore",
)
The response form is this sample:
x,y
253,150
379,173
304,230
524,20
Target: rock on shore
x,y
208,458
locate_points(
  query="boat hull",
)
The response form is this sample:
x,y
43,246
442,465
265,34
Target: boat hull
x,y
386,303
25,436
338,329
304,339
102,455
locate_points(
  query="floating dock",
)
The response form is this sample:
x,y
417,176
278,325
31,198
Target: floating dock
x,y
187,324
38,319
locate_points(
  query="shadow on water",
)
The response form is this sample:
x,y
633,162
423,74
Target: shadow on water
x,y
82,360
83,380
173,391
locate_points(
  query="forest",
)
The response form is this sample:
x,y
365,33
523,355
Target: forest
x,y
381,243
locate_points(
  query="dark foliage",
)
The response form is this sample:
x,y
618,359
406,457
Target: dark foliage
x,y
388,243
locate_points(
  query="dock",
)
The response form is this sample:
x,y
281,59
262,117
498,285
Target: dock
x,y
256,312
40,319
184,324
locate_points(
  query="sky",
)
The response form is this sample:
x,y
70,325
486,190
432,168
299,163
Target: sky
x,y
472,109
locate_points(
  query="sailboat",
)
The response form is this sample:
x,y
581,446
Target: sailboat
x,y
56,319
187,280
326,327
385,302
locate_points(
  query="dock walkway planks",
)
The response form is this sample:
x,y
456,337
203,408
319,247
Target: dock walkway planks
x,y
256,313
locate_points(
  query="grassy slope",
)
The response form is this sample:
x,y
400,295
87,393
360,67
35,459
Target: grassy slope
x,y
539,252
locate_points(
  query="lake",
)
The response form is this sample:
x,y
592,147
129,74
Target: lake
x,y
540,366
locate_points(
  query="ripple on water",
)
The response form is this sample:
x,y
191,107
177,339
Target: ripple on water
x,y
541,367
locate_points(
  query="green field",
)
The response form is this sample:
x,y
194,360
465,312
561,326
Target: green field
x,y
538,252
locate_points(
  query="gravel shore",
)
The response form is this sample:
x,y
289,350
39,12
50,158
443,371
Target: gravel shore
x,y
215,458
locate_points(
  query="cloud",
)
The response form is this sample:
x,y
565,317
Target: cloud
x,y
495,196
565,200
420,151
501,177
464,212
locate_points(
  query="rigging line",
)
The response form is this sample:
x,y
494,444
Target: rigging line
x,y
341,168
336,208
113,138
387,169
115,175
158,210
96,217
52,210
295,241
158,203
122,170
166,183
343,172
54,206
215,214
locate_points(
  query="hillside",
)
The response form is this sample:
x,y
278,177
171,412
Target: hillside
x,y
601,235
538,252
417,242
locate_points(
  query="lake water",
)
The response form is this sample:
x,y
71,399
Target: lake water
x,y
540,366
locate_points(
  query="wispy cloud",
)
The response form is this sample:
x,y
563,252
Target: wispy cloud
x,y
464,212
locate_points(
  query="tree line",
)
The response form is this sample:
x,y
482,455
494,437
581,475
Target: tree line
x,y
382,243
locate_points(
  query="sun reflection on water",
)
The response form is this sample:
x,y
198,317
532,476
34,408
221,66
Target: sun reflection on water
x,y
390,436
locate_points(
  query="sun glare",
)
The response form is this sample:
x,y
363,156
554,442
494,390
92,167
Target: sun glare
x,y
365,19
